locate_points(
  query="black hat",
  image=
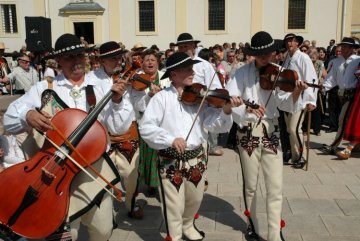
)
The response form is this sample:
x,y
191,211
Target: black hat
x,y
186,38
349,41
177,61
110,49
297,37
262,43
67,43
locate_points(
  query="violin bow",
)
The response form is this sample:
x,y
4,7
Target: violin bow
x,y
201,105
274,85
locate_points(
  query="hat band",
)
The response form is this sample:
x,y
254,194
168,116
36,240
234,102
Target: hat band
x,y
110,52
69,48
349,43
264,46
178,63
187,40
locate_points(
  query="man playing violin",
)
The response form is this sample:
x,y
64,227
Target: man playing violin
x,y
302,64
258,142
165,124
89,204
124,149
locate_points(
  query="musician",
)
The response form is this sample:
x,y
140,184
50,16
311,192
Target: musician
x,y
89,204
125,147
258,144
4,68
164,126
302,64
23,76
148,162
347,87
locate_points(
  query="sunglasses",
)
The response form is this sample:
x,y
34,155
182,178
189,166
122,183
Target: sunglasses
x,y
24,61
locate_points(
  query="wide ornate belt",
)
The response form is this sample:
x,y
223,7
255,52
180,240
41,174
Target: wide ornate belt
x,y
130,135
171,153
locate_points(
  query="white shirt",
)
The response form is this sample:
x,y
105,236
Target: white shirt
x,y
22,79
204,73
12,151
102,75
336,75
350,81
116,117
302,64
245,83
166,118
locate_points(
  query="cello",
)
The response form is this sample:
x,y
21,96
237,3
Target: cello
x,y
35,194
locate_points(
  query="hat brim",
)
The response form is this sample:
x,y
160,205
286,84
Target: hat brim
x,y
182,65
356,46
113,54
298,38
138,49
187,41
278,44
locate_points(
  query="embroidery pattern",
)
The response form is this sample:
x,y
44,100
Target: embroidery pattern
x,y
194,174
249,143
127,148
271,143
175,176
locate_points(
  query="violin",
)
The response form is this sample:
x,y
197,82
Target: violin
x,y
216,98
140,81
128,71
286,80
35,194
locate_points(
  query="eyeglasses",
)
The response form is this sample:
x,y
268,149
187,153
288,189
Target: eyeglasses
x,y
24,61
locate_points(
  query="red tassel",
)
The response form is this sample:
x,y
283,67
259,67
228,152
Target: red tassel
x,y
168,238
282,223
196,216
247,213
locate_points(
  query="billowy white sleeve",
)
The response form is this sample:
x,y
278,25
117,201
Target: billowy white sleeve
x,y
310,94
140,99
330,79
15,115
234,86
150,130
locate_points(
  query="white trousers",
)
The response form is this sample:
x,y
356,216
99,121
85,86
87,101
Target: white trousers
x,y
181,205
129,174
255,153
98,220
294,130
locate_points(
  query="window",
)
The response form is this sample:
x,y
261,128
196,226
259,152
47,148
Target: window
x,y
216,15
8,19
297,14
146,16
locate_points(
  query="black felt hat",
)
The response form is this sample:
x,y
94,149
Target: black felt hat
x,y
110,49
178,60
67,43
186,38
349,41
262,43
299,38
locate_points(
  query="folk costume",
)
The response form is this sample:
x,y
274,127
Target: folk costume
x,y
89,204
302,64
258,145
124,149
181,175
149,160
338,76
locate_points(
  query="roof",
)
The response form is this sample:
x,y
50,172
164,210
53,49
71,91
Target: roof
x,y
81,7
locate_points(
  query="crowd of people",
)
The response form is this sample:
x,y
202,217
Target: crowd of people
x,y
165,112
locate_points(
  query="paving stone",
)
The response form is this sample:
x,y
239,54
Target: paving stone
x,y
338,178
294,191
228,221
342,226
314,207
329,238
301,178
119,235
261,205
328,192
206,221
302,224
219,204
223,177
151,220
355,190
148,235
349,207
230,189
221,236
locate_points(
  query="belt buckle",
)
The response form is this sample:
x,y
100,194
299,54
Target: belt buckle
x,y
341,92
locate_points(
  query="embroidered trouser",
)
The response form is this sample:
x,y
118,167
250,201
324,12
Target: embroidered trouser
x,y
181,191
129,174
98,220
293,125
260,149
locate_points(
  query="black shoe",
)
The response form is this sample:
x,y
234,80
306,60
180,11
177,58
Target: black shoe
x,y
331,130
328,149
251,235
299,164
